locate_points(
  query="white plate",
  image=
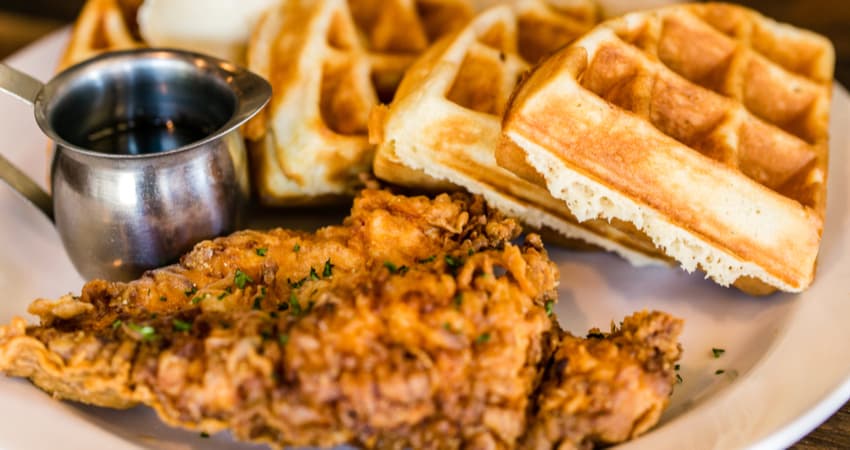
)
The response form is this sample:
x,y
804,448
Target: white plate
x,y
790,353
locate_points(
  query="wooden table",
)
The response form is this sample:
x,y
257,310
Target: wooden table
x,y
24,22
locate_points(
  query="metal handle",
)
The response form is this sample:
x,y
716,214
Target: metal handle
x,y
19,84
26,88
25,186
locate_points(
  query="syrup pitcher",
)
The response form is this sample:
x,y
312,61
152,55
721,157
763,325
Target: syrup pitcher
x,y
148,158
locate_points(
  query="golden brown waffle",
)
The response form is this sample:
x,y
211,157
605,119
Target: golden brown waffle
x,y
704,126
442,129
103,25
221,30
329,62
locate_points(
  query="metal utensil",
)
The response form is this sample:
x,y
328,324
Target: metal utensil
x,y
148,156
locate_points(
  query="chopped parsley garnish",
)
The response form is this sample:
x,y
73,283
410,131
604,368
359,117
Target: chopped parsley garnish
x,y
259,298
294,305
240,279
198,299
458,300
283,338
451,261
227,291
191,292
204,434
262,251
719,372
116,324
163,298
483,338
296,248
679,379
180,325
328,270
676,367
447,327
393,269
470,252
717,352
426,260
548,306
296,284
313,275
148,332
595,335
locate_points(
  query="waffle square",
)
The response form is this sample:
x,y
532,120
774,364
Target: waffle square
x,y
705,126
330,62
103,25
442,129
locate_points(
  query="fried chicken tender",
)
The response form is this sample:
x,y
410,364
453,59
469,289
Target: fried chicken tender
x,y
418,323
607,389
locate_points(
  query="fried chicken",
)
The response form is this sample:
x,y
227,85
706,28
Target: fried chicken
x,y
606,389
418,323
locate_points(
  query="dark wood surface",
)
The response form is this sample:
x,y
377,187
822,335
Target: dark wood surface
x,y
22,22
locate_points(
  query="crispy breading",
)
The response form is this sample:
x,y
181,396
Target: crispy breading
x,y
395,329
418,323
607,388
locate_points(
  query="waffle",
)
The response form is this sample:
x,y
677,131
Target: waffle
x,y
219,30
442,129
103,25
704,126
330,62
